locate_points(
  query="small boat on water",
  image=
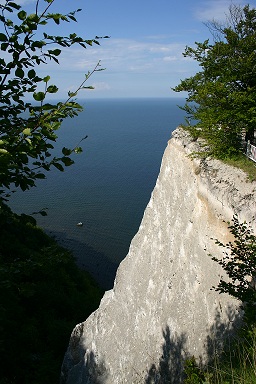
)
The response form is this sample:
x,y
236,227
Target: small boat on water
x,y
80,224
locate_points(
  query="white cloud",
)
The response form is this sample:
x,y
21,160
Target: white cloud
x,y
159,49
143,67
128,62
121,55
101,86
215,9
157,37
170,58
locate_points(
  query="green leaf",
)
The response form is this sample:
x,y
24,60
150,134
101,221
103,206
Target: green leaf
x,y
31,74
3,37
28,140
67,161
38,44
56,125
33,17
66,151
72,94
19,73
52,89
4,46
22,15
9,9
78,150
49,107
39,96
14,5
3,151
40,176
89,42
58,166
56,19
46,79
55,52
27,131
71,17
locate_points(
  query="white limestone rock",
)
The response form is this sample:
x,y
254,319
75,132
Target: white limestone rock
x,y
162,308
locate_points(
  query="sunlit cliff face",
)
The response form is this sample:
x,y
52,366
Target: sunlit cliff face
x,y
162,307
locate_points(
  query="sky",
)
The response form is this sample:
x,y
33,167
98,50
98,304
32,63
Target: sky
x,y
143,55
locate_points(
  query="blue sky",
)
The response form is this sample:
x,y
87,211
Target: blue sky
x,y
143,56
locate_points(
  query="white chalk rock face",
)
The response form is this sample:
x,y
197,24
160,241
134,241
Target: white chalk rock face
x,y
162,308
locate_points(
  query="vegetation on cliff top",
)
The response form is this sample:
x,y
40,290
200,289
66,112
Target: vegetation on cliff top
x,y
221,102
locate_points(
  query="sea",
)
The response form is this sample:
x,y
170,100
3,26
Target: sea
x,y
110,184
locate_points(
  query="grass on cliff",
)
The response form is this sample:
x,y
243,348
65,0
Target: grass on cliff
x,y
43,296
245,164
235,365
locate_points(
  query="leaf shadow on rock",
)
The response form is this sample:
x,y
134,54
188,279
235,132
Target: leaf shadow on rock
x,y
222,332
170,365
170,368
81,366
95,371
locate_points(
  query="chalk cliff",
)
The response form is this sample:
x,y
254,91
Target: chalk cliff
x,y
162,307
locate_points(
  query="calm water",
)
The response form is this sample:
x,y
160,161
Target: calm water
x,y
110,183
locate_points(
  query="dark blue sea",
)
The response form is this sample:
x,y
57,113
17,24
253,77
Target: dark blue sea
x,y
109,186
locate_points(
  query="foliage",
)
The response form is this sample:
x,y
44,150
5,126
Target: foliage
x,y
43,293
237,362
235,365
239,263
43,296
194,374
221,102
29,129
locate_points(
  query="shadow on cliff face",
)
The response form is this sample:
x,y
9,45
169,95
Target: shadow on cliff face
x,y
170,368
221,333
95,371
81,366
90,371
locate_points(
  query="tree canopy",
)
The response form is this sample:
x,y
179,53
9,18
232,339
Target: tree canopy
x,y
28,129
221,101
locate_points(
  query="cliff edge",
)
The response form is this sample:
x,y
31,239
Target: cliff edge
x,y
162,308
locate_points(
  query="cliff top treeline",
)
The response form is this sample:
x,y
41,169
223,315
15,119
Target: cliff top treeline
x,y
221,102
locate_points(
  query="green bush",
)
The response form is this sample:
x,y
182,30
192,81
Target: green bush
x,y
43,296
